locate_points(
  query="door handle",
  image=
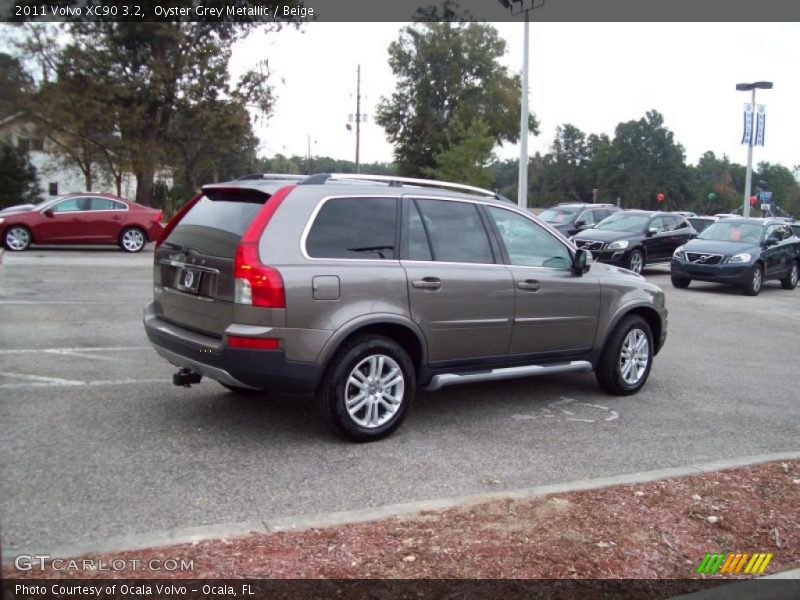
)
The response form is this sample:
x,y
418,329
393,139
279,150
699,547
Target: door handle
x,y
529,285
427,283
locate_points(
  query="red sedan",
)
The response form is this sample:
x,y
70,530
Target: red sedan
x,y
81,218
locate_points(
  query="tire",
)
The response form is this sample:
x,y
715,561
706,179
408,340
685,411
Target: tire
x,y
132,239
753,286
680,282
17,238
613,372
790,281
365,371
635,261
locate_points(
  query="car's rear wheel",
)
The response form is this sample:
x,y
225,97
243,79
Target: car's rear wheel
x,y
790,281
680,282
626,360
368,388
753,285
17,238
132,239
635,261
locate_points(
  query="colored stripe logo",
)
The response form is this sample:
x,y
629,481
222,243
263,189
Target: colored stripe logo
x,y
733,563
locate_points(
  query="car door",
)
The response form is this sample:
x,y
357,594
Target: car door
x,y
105,219
556,311
63,221
459,293
679,232
656,243
771,251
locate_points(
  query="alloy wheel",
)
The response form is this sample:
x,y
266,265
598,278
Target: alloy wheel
x,y
634,356
18,238
133,240
636,262
374,391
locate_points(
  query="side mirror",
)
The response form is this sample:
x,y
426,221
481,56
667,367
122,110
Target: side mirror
x,y
48,213
651,232
581,262
580,223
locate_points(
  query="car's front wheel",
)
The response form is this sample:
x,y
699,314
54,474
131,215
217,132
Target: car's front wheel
x,y
132,239
680,282
368,388
790,281
17,238
635,261
626,360
753,285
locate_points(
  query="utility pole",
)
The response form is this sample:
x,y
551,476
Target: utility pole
x,y
358,119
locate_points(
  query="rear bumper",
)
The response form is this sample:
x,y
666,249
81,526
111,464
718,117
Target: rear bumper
x,y
154,231
736,274
258,369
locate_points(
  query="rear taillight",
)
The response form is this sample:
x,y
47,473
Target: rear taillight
x,y
257,284
158,216
176,218
248,343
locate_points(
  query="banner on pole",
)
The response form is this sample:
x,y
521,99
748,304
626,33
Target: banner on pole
x,y
761,123
747,137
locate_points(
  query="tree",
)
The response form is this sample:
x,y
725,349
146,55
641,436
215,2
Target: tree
x,y
15,85
567,171
146,73
642,161
467,155
18,180
781,182
447,73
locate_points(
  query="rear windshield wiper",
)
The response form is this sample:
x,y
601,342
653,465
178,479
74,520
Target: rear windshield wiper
x,y
181,248
377,249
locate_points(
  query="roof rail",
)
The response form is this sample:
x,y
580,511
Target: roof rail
x,y
394,180
271,176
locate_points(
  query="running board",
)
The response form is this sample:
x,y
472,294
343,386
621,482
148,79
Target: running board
x,y
439,381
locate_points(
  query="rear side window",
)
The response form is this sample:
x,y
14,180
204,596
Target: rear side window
x,y
106,204
214,227
354,228
456,231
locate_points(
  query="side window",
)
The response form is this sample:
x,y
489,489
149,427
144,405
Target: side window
x,y
72,205
106,204
354,228
418,247
527,244
456,231
659,223
587,217
682,223
786,232
770,232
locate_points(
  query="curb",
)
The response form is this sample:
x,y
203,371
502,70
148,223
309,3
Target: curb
x,y
189,535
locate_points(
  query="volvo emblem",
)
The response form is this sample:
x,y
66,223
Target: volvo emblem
x,y
188,279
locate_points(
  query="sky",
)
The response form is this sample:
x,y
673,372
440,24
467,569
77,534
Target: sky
x,y
592,75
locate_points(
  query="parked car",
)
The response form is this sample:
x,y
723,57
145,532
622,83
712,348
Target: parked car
x,y
364,289
685,213
82,218
634,239
700,223
796,228
15,209
743,252
570,218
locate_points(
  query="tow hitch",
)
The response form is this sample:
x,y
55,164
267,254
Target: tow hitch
x,y
186,377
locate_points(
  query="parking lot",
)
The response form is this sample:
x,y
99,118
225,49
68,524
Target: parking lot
x,y
96,442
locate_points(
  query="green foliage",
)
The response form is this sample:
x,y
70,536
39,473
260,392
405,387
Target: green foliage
x,y
18,181
15,85
319,164
467,155
447,73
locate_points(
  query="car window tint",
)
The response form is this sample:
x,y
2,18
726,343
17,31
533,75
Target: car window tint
x,y
527,244
456,231
106,204
587,217
354,228
418,247
659,223
72,205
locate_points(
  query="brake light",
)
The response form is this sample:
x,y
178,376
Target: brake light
x,y
248,343
176,218
257,284
158,216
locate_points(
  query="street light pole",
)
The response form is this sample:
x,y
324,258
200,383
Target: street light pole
x,y
748,180
524,132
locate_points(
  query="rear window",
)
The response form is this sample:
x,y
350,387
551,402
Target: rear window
x,y
215,227
354,228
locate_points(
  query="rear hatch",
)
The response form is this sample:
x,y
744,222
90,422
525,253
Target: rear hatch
x,y
194,265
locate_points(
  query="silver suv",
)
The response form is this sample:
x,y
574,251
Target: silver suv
x,y
364,289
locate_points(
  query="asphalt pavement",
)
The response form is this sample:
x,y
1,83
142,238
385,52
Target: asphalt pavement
x,y
96,442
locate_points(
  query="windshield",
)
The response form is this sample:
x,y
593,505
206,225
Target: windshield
x,y
557,215
623,222
745,233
